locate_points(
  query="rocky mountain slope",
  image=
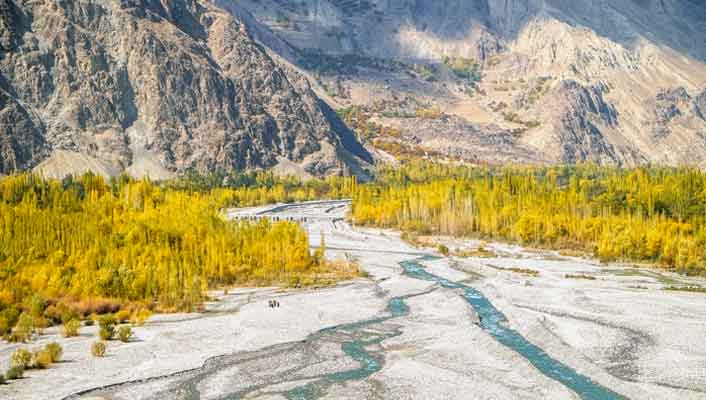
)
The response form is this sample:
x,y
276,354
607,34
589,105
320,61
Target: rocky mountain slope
x,y
155,87
618,82
159,87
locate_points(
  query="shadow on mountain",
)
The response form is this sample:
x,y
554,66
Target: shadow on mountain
x,y
348,139
677,24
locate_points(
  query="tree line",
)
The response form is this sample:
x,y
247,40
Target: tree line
x,y
86,243
649,214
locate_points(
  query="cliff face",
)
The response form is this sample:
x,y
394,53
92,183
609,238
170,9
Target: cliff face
x,y
572,80
154,87
162,86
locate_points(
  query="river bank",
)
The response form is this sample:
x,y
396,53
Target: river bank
x,y
604,328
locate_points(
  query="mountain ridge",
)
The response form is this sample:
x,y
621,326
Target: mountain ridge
x,y
160,87
579,77
174,85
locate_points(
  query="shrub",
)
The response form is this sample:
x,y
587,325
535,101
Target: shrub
x,y
122,316
2,378
71,328
15,373
4,326
98,349
125,333
106,332
107,320
55,350
67,313
8,319
443,250
36,305
53,314
60,313
39,324
24,328
21,358
41,359
107,326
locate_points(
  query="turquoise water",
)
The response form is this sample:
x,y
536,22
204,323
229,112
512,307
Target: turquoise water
x,y
492,321
369,362
360,342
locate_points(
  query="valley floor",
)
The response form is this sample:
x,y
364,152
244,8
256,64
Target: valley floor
x,y
620,329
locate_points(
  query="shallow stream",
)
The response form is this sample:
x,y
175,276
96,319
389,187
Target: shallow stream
x,y
493,322
308,369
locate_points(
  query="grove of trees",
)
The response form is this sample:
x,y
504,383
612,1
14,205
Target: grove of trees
x,y
86,244
648,214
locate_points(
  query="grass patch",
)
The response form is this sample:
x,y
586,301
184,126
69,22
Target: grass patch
x,y
480,252
580,276
523,271
693,289
574,253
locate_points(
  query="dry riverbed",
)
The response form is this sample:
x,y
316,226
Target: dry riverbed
x,y
620,329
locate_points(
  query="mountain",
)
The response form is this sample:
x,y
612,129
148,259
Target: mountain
x,y
156,87
616,82
160,87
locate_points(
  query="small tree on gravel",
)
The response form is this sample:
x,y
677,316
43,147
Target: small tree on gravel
x,y
24,329
41,359
71,328
107,326
98,349
15,373
2,378
54,349
124,333
21,358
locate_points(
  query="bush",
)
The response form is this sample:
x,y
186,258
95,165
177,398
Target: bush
x,y
21,358
106,332
71,328
8,319
124,333
15,373
122,316
2,378
39,324
53,314
107,326
443,250
23,330
107,320
55,350
41,359
36,305
98,349
60,313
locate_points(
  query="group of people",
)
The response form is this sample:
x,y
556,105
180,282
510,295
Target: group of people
x,y
273,303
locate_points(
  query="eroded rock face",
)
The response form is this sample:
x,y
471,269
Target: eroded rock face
x,y
614,74
177,84
578,123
